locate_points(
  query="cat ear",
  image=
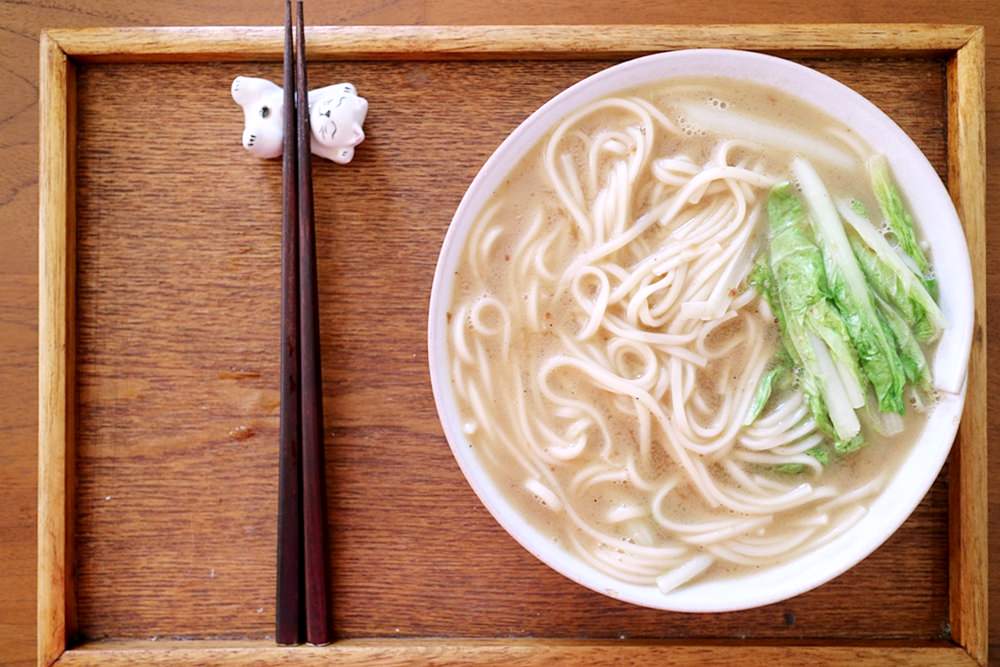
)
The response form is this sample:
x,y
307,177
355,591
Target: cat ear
x,y
359,134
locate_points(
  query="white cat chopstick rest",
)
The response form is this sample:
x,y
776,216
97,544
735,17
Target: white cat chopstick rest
x,y
262,120
336,118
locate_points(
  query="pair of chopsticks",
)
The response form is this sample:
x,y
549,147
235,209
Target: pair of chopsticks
x,y
301,581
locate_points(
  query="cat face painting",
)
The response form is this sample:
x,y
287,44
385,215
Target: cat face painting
x,y
336,115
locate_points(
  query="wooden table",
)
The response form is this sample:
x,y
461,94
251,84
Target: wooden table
x,y
18,197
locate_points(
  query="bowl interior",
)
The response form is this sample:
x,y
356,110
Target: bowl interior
x,y
928,199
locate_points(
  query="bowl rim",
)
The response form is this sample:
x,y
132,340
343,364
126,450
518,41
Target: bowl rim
x,y
923,189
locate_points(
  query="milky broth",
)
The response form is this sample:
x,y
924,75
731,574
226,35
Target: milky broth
x,y
509,420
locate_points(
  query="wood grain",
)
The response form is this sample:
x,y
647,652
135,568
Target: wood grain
x,y
19,113
56,384
968,503
178,350
494,42
513,653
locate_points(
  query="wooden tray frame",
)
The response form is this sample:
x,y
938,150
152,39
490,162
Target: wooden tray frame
x,y
963,46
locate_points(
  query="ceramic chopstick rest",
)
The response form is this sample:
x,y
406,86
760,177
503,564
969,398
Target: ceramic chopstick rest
x,y
336,117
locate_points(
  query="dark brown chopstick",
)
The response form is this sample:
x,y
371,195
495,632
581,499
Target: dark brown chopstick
x,y
313,471
288,612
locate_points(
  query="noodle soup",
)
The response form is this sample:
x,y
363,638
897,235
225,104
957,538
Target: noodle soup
x,y
669,339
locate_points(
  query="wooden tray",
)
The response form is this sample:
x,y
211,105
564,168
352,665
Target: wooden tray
x,y
158,326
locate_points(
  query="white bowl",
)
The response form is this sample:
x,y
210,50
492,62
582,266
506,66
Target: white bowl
x,y
931,204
